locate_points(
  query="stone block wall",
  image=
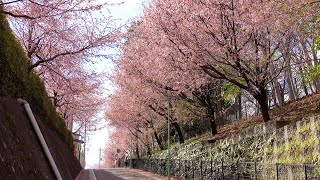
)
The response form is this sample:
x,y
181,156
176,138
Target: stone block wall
x,y
292,143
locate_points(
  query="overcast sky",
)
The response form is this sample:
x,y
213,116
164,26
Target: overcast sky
x,y
128,10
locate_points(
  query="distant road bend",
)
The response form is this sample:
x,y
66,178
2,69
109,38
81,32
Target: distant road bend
x,y
116,174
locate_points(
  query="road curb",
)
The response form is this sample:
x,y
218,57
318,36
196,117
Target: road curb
x,y
92,176
150,174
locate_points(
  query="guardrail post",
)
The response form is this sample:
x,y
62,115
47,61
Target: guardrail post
x,y
160,166
145,164
238,173
305,172
277,171
156,165
211,168
173,167
222,173
179,163
192,166
201,169
185,169
235,170
255,170
164,167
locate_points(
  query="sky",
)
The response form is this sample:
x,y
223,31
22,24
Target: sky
x,y
98,139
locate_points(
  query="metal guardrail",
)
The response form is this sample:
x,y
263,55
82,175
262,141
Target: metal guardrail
x,y
207,169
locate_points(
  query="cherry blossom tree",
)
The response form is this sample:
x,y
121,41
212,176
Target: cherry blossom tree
x,y
144,60
141,60
116,148
62,39
132,78
237,41
184,50
62,30
126,109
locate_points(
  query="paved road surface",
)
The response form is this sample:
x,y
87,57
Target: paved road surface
x,y
117,174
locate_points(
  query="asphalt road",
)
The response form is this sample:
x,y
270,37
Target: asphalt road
x,y
115,174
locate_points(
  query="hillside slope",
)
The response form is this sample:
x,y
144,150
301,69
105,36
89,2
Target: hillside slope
x,y
21,156
244,140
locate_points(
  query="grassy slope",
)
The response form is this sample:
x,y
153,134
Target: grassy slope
x,y
291,112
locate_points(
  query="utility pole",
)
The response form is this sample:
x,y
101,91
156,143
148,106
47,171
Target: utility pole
x,y
168,162
99,157
131,154
85,142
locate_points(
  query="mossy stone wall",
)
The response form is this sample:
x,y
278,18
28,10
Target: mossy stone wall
x,y
17,81
294,143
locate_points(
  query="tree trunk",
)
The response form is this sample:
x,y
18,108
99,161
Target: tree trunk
x,y
239,100
213,125
315,57
245,110
158,140
276,86
304,84
277,92
275,104
314,84
293,95
292,90
219,103
306,53
263,102
178,129
148,149
270,99
137,151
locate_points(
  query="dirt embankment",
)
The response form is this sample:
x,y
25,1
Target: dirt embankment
x,y
21,156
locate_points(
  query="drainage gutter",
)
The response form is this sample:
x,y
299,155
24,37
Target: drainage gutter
x,y
40,137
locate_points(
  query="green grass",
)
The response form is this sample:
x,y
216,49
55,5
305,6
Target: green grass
x,y
301,148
